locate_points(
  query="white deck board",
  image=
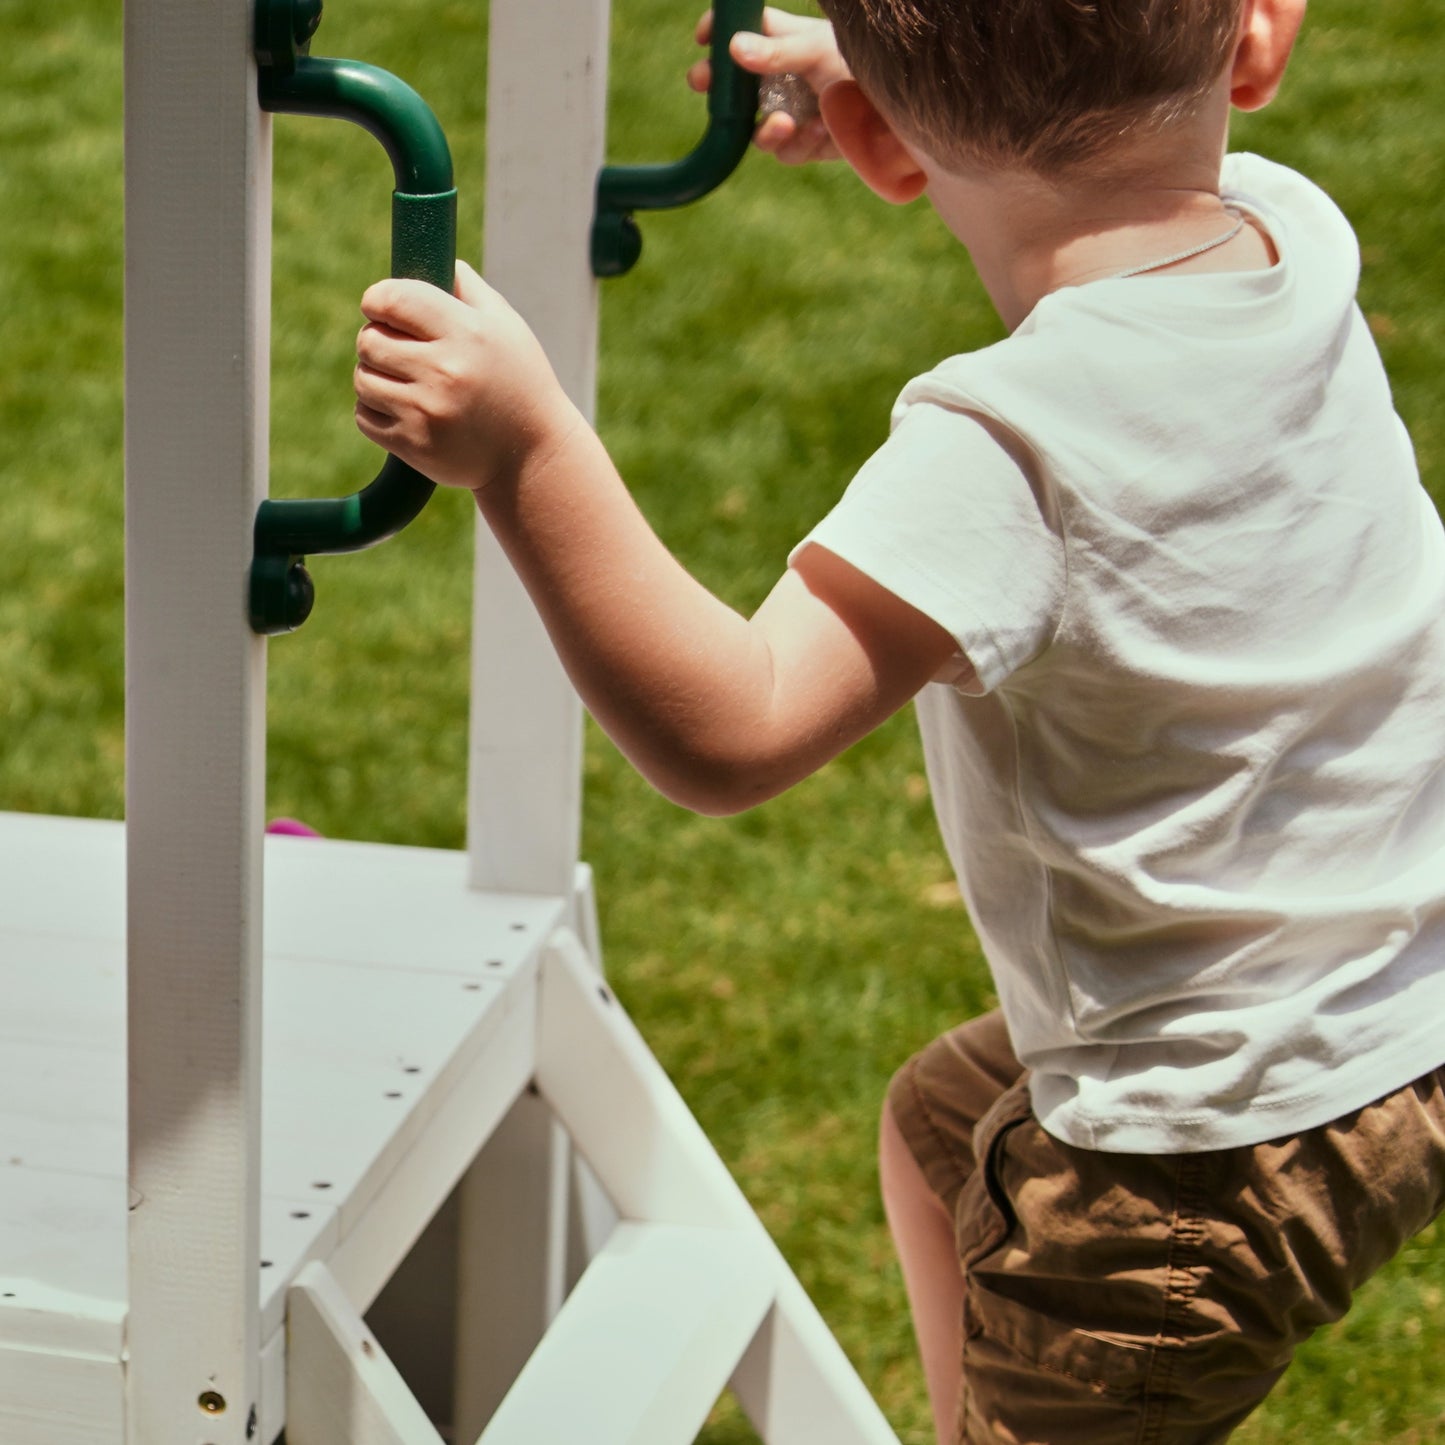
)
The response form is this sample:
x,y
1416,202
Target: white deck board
x,y
62,1258
60,1399
385,981
43,899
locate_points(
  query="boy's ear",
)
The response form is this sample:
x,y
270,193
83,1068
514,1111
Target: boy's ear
x,y
1266,38
870,145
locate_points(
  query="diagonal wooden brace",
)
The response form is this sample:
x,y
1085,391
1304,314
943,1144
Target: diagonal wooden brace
x,y
340,1387
657,1165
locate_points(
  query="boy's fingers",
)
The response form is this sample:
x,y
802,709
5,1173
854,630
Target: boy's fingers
x,y
470,287
775,131
793,140
381,348
375,397
412,307
772,54
372,423
380,427
755,52
808,142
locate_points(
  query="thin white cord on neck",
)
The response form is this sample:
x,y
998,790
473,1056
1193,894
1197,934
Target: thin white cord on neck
x,y
1228,236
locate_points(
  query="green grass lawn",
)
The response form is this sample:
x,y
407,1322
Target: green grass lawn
x,y
781,963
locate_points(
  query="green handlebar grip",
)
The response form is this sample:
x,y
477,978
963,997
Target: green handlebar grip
x,y
423,247
378,102
732,108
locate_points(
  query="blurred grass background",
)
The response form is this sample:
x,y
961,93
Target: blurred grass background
x,y
781,963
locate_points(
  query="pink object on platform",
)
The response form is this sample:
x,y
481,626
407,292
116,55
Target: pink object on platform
x,y
291,828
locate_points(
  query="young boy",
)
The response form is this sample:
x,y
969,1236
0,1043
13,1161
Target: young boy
x,y
1159,571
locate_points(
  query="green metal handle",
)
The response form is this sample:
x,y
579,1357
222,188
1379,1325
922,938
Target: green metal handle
x,y
732,109
423,246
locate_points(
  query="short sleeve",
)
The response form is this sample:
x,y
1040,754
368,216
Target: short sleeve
x,y
952,516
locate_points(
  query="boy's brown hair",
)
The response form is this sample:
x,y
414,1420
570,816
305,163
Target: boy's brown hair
x,y
1044,84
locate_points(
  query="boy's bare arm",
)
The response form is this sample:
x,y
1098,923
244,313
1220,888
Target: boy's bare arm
x,y
718,711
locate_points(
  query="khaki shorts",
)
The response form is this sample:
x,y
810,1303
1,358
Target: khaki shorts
x,y
1144,1299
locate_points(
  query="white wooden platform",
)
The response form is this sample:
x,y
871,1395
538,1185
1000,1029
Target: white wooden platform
x,y
400,1021
403,1014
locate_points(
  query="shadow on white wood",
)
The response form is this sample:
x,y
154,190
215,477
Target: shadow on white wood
x,y
340,1387
511,1255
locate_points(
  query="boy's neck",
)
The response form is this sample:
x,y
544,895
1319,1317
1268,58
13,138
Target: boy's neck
x,y
1028,237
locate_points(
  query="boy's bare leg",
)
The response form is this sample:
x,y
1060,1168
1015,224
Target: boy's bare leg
x,y
922,1231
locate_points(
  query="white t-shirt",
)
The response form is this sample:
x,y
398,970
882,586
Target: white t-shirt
x,y
1190,768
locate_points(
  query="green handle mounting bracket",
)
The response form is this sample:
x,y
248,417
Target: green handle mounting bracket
x,y
732,109
423,246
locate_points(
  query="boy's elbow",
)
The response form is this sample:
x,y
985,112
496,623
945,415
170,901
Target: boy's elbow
x,y
719,802
714,786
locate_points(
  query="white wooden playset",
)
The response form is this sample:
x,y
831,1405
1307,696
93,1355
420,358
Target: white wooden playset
x,y
229,1111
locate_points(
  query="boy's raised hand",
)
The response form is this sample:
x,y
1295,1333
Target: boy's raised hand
x,y
455,386
717,710
789,45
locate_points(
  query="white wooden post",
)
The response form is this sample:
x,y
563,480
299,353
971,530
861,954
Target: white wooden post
x,y
546,106
546,115
197,302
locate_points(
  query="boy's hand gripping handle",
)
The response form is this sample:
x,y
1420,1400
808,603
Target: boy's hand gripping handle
x,y
732,110
423,246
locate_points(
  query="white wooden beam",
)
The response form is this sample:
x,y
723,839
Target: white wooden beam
x,y
591,1215
546,114
621,1110
493,1070
197,306
653,1159
340,1387
546,98
644,1344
